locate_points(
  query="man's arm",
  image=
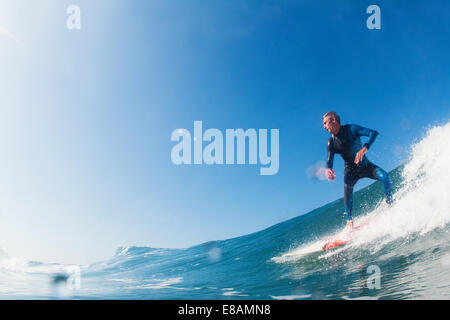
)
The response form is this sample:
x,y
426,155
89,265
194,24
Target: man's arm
x,y
331,175
361,131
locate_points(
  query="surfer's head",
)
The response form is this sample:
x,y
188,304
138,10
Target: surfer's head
x,y
331,122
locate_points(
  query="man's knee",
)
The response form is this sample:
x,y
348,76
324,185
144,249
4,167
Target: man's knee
x,y
382,175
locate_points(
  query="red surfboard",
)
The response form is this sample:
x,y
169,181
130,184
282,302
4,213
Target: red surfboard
x,y
334,244
338,242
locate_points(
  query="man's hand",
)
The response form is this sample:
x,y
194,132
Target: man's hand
x,y
331,175
360,155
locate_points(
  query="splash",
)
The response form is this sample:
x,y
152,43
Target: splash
x,y
420,205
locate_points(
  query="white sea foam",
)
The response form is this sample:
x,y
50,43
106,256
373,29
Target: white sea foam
x,y
234,294
422,204
292,297
161,284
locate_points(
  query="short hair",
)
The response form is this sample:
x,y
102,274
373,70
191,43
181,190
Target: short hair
x,y
332,114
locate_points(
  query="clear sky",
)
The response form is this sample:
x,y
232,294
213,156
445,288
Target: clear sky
x,y
86,115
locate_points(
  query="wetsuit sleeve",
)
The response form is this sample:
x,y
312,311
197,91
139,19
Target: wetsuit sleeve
x,y
361,131
330,154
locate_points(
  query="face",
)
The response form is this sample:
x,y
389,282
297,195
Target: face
x,y
331,125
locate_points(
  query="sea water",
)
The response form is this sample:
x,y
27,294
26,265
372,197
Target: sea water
x,y
405,249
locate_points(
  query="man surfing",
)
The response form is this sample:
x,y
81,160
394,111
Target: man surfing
x,y
346,140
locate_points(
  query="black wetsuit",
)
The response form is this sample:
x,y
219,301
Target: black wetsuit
x,y
347,143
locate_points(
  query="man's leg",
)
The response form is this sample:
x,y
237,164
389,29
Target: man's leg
x,y
348,201
349,182
384,178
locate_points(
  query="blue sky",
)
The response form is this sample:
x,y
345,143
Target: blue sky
x,y
86,115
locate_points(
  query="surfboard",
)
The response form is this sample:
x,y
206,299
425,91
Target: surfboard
x,y
334,243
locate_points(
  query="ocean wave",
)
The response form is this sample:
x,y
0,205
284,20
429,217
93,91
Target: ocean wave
x,y
408,242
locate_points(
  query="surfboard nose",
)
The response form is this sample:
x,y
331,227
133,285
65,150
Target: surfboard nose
x,y
333,244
